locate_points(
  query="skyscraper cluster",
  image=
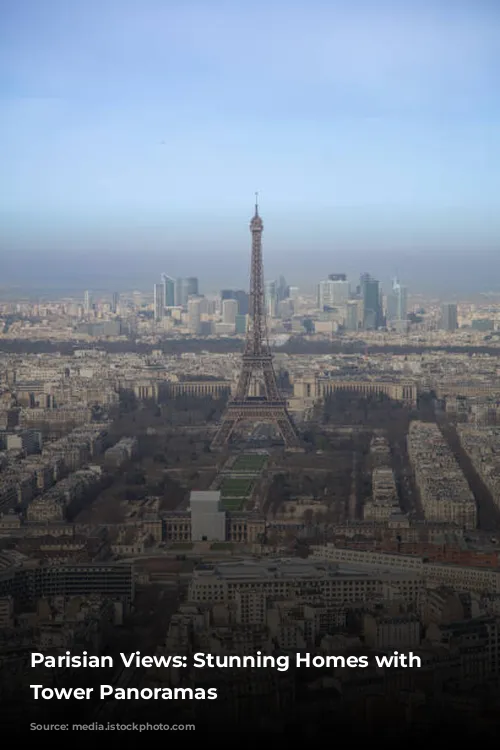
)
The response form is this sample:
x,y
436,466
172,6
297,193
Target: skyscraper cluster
x,y
275,293
197,310
363,308
91,307
173,293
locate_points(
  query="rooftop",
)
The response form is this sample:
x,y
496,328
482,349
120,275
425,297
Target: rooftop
x,y
291,569
205,496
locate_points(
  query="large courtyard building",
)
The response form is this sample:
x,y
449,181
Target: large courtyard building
x,y
206,520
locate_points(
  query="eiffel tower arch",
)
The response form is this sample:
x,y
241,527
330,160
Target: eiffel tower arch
x,y
257,397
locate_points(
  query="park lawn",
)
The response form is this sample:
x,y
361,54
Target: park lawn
x,y
249,462
222,546
235,487
182,545
233,503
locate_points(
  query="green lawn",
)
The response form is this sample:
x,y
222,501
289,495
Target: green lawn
x,y
236,487
249,462
233,503
221,546
182,545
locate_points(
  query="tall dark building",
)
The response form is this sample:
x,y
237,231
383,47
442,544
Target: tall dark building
x,y
239,295
185,288
115,300
372,309
169,287
281,289
449,316
242,298
179,293
192,286
271,298
397,302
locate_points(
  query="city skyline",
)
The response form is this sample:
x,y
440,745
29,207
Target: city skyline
x,y
370,134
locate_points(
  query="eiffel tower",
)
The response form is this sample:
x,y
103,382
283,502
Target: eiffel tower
x,y
257,374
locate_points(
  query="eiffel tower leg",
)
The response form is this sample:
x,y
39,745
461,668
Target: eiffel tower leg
x,y
243,384
270,385
287,430
224,432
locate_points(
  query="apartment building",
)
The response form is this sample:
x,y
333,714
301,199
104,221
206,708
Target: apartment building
x,y
444,492
384,501
460,577
54,504
334,554
287,578
124,450
481,445
383,632
25,579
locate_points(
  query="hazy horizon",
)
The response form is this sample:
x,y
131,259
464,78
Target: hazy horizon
x,y
461,277
133,136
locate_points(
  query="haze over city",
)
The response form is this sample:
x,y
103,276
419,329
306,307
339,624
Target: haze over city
x,y
134,135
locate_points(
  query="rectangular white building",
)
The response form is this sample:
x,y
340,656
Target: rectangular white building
x,y
208,521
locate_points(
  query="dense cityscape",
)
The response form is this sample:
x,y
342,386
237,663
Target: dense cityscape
x,y
351,507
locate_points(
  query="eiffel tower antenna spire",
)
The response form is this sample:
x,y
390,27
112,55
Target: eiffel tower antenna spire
x,y
257,364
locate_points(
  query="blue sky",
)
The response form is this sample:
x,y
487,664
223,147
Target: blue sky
x,y
145,127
